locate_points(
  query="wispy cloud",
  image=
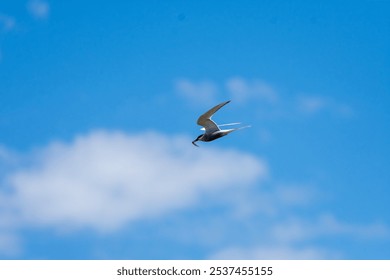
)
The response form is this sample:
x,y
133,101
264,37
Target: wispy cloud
x,y
296,195
237,88
278,252
257,92
10,244
276,200
311,105
296,238
104,180
203,92
329,224
288,233
295,229
7,23
244,90
39,9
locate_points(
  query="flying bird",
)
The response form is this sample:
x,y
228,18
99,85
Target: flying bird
x,y
212,130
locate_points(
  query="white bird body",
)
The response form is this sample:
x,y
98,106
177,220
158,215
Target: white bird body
x,y
212,130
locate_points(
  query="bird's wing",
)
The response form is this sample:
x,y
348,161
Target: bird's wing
x,y
209,126
205,119
225,124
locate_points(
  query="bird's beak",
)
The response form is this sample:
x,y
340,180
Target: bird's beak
x,y
193,142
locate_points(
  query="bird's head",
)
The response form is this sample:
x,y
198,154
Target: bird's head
x,y
197,139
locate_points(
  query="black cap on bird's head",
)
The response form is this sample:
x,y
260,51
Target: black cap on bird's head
x,y
197,139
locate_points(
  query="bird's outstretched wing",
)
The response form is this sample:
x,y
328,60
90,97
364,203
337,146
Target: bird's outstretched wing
x,y
205,119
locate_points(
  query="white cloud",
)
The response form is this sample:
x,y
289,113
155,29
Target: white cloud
x,y
243,90
7,23
201,92
104,180
39,9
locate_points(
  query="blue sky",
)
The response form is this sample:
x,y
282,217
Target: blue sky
x,y
98,108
